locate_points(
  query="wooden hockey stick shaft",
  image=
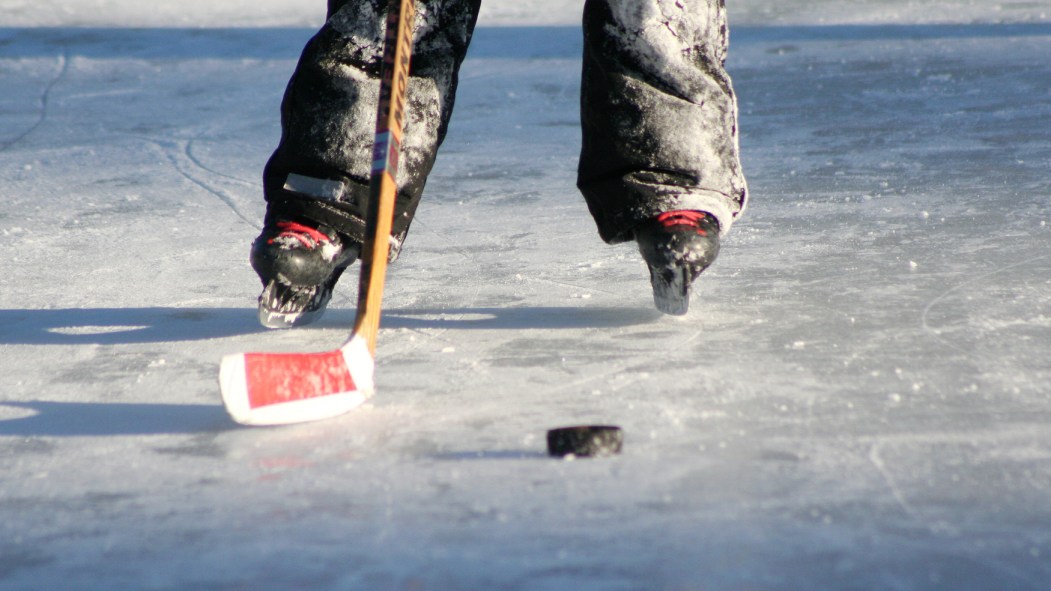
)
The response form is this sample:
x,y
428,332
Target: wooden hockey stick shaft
x,y
383,188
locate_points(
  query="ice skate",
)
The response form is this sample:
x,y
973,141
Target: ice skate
x,y
677,246
299,266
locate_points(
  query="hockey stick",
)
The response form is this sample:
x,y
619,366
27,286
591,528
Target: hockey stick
x,y
281,388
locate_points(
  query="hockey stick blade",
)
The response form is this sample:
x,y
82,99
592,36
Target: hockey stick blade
x,y
285,388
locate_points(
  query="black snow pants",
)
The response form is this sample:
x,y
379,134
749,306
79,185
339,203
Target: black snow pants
x,y
658,113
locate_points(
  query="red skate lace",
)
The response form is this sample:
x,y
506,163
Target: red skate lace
x,y
309,237
683,217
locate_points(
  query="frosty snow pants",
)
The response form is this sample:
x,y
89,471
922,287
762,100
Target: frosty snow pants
x,y
658,113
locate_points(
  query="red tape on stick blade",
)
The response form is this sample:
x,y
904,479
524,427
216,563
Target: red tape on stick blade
x,y
274,378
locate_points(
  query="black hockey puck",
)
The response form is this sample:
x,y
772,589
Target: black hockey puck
x,y
585,441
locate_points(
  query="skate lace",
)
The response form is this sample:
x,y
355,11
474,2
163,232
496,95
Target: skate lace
x,y
683,217
307,236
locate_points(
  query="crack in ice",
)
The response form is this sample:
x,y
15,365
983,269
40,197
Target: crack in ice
x,y
979,280
45,98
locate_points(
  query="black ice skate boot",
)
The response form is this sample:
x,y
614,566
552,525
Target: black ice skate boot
x,y
677,246
299,266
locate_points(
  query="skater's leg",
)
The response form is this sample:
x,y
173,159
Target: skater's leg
x,y
659,114
316,183
320,170
660,161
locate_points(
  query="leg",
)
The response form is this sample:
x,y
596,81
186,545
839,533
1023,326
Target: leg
x,y
328,115
318,176
659,119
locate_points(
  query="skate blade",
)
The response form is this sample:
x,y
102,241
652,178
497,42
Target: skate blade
x,y
271,315
671,291
279,320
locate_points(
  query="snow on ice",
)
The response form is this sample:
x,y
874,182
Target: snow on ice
x,y
858,399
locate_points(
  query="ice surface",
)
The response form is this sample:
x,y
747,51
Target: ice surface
x,y
859,398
